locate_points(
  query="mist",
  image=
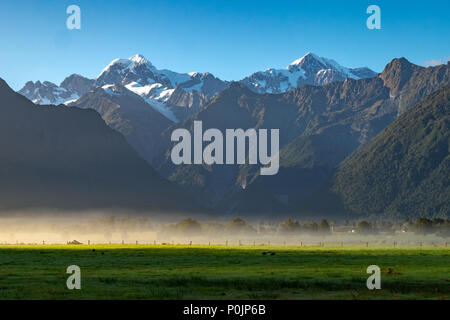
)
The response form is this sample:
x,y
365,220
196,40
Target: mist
x,y
127,227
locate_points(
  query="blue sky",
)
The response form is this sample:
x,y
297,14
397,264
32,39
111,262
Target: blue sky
x,y
230,39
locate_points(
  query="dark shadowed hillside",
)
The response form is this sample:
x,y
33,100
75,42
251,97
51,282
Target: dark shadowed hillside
x,y
129,114
405,170
66,157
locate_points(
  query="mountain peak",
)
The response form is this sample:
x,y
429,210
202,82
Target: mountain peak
x,y
311,62
308,56
138,58
129,64
401,62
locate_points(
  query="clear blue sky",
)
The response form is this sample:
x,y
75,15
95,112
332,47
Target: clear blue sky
x,y
230,38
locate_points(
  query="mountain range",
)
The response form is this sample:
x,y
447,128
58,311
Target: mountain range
x,y
175,96
326,115
319,127
310,69
179,95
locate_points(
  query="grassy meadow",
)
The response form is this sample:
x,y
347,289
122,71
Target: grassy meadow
x,y
222,272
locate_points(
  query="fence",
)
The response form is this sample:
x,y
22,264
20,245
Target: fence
x,y
254,243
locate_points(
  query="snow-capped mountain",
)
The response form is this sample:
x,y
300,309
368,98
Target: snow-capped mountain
x,y
175,95
179,95
157,87
71,89
310,69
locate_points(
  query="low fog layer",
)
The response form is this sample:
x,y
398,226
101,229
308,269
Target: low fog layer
x,y
128,228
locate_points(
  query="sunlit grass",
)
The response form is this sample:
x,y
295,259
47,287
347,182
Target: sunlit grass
x,y
133,271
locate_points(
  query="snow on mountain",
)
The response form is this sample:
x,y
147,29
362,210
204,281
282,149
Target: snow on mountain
x,y
138,75
156,86
310,69
46,93
72,88
179,95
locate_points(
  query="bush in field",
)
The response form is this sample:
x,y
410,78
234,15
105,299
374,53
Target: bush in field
x,y
289,227
364,227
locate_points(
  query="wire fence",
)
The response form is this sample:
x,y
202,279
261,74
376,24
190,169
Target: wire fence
x,y
248,243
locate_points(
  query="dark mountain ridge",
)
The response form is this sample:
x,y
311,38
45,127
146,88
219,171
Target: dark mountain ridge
x,y
404,171
58,157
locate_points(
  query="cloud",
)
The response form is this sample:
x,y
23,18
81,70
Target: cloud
x,y
435,62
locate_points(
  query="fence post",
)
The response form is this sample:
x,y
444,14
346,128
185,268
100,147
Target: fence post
x,y
367,244
226,243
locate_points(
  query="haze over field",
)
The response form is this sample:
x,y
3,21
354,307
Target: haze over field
x,y
95,227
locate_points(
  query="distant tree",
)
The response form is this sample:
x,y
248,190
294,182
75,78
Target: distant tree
x,y
289,227
438,222
213,228
364,227
238,225
444,231
324,227
311,226
188,227
424,226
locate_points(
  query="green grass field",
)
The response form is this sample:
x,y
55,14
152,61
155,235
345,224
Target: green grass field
x,y
219,272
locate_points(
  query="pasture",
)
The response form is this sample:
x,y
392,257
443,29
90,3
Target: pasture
x,y
222,272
